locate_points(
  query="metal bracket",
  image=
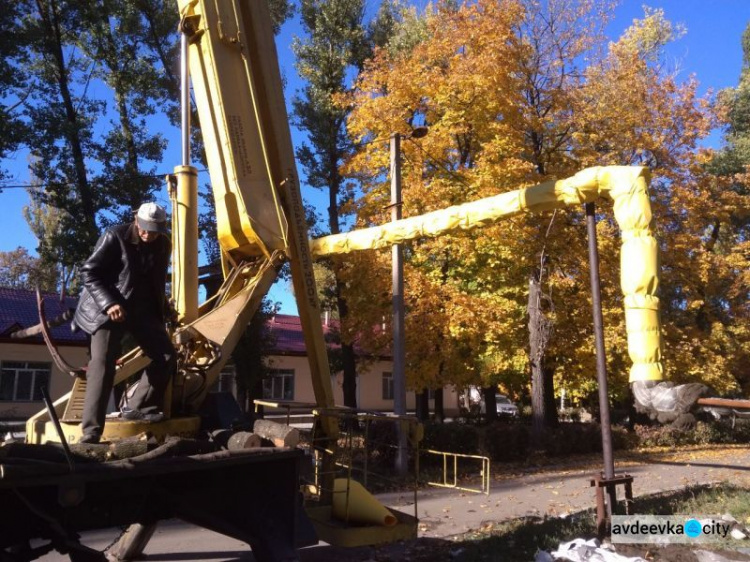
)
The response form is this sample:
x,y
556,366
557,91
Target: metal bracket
x,y
604,508
61,363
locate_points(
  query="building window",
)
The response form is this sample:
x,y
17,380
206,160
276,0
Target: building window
x,y
22,381
279,385
387,386
226,380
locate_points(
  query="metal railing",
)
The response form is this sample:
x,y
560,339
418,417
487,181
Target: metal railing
x,y
452,482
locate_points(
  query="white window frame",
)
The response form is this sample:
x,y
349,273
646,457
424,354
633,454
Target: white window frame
x,y
227,380
277,381
387,386
35,368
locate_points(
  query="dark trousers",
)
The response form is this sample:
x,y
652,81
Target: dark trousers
x,y
150,334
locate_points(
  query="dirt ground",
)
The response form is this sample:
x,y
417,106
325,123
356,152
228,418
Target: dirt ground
x,y
429,550
676,553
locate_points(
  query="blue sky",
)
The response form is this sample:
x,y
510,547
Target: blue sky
x,y
710,50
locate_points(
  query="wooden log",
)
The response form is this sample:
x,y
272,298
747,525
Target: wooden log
x,y
243,440
280,434
178,447
81,452
123,449
132,543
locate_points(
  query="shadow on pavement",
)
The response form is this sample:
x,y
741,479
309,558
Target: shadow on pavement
x,y
702,464
414,550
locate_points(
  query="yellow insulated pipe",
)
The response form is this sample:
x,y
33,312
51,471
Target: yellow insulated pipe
x,y
627,186
184,195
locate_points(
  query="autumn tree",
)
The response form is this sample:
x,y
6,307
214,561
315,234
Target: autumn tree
x,y
45,223
514,114
702,291
728,237
337,41
19,270
449,82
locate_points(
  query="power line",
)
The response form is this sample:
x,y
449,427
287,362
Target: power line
x,y
70,184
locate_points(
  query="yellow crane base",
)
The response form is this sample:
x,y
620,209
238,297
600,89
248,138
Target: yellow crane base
x,y
116,429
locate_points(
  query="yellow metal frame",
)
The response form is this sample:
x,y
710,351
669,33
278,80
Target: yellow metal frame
x,y
116,429
485,472
285,405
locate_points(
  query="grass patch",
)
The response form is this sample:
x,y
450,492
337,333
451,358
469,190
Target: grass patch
x,y
520,539
716,500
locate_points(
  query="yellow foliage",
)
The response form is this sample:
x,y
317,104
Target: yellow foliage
x,y
508,104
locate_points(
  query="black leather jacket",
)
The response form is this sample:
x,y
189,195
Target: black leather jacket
x,y
110,275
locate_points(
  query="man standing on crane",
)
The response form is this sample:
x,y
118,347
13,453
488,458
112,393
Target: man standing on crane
x,y
124,290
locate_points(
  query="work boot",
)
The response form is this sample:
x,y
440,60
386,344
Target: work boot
x,y
137,415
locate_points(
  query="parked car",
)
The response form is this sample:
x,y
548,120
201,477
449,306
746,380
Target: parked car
x,y
505,407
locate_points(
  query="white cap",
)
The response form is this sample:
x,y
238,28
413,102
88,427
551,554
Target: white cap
x,y
152,217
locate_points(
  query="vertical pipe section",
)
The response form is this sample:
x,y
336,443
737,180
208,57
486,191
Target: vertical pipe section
x,y
601,360
185,244
399,355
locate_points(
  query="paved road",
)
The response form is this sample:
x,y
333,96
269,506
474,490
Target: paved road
x,y
444,513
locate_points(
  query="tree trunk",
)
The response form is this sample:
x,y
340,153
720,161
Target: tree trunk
x,y
242,394
350,375
423,405
256,393
439,410
543,410
490,407
54,49
348,358
550,406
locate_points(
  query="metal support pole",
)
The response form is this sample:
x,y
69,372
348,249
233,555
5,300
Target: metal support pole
x,y
601,360
185,99
399,355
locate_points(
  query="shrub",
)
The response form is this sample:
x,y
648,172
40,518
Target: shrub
x,y
704,433
382,441
504,441
451,437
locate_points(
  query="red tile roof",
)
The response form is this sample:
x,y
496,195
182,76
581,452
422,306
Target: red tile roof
x,y
18,308
287,333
